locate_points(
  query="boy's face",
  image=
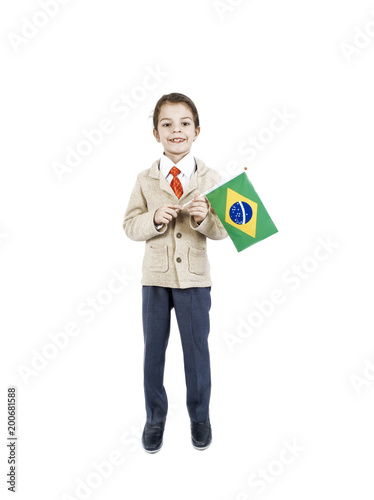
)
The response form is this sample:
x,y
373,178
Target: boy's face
x,y
176,130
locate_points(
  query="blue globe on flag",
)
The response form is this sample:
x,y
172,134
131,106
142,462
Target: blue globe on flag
x,y
240,212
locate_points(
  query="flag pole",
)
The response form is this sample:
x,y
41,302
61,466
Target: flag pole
x,y
215,187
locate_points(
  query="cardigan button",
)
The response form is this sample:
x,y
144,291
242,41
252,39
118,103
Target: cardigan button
x,y
179,235
179,259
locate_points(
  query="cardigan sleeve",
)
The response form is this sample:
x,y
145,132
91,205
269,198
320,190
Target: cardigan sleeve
x,y
138,221
211,226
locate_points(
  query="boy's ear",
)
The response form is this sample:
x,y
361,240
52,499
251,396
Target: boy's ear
x,y
156,135
197,132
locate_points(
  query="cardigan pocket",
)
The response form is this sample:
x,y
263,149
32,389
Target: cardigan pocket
x,y
197,260
158,260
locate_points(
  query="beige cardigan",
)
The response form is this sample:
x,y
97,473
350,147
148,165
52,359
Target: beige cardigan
x,y
175,255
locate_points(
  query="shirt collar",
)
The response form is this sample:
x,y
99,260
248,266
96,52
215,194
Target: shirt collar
x,y
186,165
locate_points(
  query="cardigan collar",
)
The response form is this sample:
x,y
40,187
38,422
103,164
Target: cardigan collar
x,y
192,185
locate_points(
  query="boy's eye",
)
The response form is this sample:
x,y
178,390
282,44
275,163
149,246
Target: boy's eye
x,y
186,123
166,124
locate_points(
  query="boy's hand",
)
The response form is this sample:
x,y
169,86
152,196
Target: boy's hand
x,y
166,213
198,208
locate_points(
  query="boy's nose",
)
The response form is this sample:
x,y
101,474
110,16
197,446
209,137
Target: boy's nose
x,y
176,128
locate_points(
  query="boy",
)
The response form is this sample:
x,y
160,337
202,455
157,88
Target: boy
x,y
175,265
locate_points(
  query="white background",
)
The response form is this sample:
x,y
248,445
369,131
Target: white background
x,y
304,375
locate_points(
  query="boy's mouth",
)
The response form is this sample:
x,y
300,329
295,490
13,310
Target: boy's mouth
x,y
177,139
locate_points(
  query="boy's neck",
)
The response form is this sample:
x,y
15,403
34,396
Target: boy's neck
x,y
176,158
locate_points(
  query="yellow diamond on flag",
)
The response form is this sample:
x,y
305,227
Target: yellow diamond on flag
x,y
241,212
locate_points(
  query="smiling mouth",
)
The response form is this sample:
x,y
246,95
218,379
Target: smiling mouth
x,y
177,140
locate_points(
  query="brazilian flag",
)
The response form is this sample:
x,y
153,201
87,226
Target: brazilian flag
x,y
241,211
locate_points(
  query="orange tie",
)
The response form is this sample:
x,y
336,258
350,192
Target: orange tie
x,y
175,183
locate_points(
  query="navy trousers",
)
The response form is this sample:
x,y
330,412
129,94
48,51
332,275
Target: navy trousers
x,y
191,307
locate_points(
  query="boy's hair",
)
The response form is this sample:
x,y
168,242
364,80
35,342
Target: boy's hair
x,y
175,98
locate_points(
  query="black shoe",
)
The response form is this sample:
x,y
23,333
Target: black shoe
x,y
201,434
152,437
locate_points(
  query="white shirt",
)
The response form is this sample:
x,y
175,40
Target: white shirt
x,y
186,165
